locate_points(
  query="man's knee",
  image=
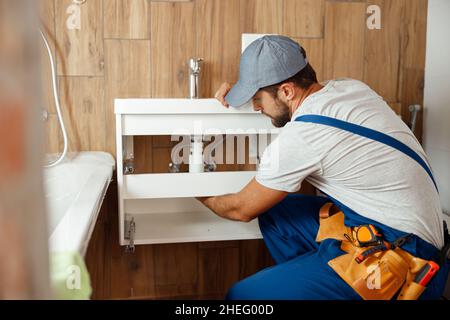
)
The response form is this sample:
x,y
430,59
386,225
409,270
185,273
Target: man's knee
x,y
238,291
248,290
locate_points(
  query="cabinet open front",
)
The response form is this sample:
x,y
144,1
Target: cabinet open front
x,y
161,207
164,209
183,220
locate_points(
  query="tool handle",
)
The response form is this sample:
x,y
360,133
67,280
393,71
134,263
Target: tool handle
x,y
364,255
427,272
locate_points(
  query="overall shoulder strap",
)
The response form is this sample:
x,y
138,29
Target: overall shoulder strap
x,y
370,134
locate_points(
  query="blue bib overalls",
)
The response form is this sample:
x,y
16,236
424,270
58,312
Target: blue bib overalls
x,y
289,230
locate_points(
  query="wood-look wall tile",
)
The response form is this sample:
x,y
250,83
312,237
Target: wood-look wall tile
x,y
413,41
82,48
412,93
218,42
249,163
47,99
170,0
47,15
382,50
344,40
53,137
162,142
262,16
111,227
141,271
415,33
127,76
120,284
121,276
314,53
176,271
117,267
413,60
95,257
218,269
126,19
218,244
172,44
253,257
130,274
82,101
229,161
396,107
143,154
304,18
161,160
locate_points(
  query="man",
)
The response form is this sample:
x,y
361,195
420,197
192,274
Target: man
x,y
371,182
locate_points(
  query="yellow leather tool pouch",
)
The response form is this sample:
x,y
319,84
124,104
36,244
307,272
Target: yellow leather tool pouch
x,y
411,291
381,275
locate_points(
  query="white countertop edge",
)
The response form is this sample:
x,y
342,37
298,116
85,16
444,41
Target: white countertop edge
x,y
178,106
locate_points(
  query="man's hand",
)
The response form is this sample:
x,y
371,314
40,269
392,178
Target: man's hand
x,y
245,205
222,92
202,199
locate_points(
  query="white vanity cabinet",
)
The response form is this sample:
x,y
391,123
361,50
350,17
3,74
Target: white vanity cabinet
x,y
161,207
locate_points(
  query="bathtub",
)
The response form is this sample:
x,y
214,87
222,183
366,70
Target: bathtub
x,y
74,192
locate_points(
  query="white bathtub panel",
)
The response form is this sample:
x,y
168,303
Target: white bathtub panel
x,y
74,192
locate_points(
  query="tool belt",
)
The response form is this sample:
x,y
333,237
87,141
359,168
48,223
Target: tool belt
x,y
374,268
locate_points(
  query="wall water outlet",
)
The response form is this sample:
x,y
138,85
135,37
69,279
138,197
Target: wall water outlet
x,y
196,155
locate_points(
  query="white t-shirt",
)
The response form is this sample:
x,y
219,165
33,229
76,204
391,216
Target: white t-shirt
x,y
374,180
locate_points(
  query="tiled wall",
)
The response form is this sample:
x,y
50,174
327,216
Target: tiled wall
x,y
139,48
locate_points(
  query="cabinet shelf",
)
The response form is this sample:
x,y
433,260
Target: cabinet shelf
x,y
176,227
180,185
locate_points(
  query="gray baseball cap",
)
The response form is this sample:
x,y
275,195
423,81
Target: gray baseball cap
x,y
266,61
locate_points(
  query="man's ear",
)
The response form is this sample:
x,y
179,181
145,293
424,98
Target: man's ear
x,y
288,91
